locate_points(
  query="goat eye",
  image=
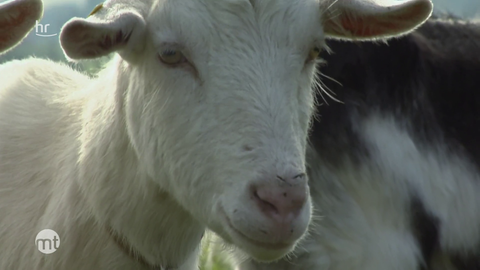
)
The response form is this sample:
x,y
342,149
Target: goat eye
x,y
313,54
172,57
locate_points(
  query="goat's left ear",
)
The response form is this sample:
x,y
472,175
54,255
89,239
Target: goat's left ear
x,y
373,19
106,30
17,19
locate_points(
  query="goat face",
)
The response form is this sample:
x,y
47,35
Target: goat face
x,y
218,100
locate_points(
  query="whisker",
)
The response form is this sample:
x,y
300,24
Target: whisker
x,y
328,89
330,78
319,84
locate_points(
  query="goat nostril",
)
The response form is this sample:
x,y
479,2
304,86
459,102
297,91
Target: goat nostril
x,y
247,148
265,204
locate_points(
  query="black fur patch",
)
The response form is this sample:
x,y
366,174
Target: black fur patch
x,y
471,262
425,227
429,78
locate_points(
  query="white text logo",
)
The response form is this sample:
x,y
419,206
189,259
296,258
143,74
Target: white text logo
x,y
41,30
47,241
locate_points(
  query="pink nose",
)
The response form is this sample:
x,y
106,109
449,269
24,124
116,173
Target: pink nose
x,y
283,200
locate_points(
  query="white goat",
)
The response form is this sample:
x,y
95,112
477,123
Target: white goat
x,y
17,19
200,121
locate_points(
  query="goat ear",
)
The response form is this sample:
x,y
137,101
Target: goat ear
x,y
17,19
106,30
373,19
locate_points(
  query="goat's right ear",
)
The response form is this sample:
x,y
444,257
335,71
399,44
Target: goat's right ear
x,y
17,19
103,32
374,19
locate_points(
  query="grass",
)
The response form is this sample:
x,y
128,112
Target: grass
x,y
213,256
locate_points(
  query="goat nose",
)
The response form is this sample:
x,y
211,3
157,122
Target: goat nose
x,y
282,200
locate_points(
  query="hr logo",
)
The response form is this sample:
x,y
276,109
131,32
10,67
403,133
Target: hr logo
x,y
47,241
43,30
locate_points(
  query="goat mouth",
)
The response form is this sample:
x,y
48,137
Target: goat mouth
x,y
264,245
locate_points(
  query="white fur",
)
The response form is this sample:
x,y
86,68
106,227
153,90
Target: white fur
x,y
17,19
155,152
